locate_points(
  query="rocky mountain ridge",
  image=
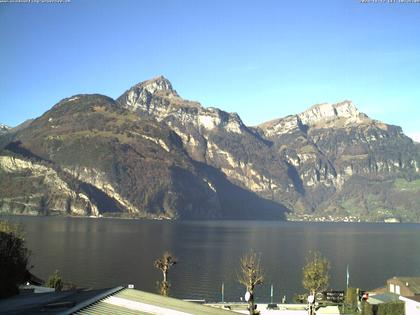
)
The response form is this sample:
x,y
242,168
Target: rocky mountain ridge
x,y
317,116
4,128
89,156
154,154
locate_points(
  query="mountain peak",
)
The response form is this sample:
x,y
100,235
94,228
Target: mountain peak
x,y
4,127
328,112
158,84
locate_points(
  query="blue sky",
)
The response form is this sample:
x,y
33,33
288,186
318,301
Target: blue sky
x,y
261,59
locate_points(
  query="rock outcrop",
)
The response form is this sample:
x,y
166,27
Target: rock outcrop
x,y
35,188
330,144
4,129
121,164
214,137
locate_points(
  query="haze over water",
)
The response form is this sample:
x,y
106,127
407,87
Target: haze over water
x,y
101,253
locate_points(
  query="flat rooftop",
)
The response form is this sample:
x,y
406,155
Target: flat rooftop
x,y
131,301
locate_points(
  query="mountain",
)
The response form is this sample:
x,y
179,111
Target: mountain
x,y
216,138
4,129
150,153
89,156
349,164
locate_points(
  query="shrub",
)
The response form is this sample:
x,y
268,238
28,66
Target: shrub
x,y
14,258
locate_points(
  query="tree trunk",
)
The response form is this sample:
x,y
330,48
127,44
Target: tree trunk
x,y
251,308
251,302
165,276
312,305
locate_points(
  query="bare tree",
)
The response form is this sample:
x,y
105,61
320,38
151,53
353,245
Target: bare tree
x,y
251,275
165,263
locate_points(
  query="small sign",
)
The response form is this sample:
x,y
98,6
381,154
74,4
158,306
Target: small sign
x,y
247,296
334,296
311,299
319,296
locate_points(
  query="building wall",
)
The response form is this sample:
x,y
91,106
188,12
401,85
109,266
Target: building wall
x,y
398,287
411,307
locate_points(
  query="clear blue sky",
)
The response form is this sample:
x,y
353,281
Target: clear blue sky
x,y
261,59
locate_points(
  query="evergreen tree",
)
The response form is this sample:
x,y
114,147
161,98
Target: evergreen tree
x,y
316,273
55,281
14,257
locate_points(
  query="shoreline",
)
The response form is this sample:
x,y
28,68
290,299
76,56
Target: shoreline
x,y
303,219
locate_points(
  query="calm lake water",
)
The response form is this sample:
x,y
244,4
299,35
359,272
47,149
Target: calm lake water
x,y
101,253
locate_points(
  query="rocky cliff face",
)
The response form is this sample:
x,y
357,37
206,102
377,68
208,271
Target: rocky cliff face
x,y
302,161
344,142
330,144
151,153
4,129
192,122
121,164
216,138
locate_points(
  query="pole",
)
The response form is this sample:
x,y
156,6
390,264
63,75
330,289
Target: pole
x,y
271,294
347,277
223,292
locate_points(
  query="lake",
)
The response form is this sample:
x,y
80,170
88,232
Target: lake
x,y
101,253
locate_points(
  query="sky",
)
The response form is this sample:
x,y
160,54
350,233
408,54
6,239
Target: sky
x,y
261,59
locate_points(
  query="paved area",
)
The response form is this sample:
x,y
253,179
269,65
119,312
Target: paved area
x,y
282,309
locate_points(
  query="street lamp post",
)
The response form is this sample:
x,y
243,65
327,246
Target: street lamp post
x,y
311,300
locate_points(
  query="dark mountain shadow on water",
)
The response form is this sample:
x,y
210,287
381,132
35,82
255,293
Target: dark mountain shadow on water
x,y
238,203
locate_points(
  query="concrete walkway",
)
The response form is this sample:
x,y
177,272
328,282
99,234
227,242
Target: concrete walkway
x,y
283,309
